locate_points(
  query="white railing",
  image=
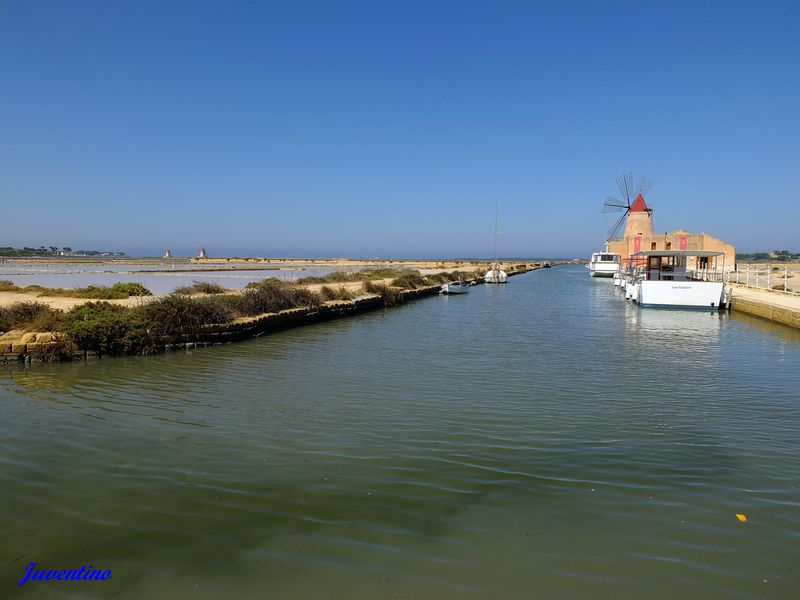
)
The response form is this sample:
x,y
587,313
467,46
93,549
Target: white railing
x,y
765,277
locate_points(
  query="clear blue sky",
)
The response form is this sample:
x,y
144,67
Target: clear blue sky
x,y
391,128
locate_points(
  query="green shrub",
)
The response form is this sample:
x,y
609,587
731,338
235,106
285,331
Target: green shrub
x,y
391,296
273,295
108,329
335,277
9,286
30,316
131,289
341,293
200,287
268,280
118,291
409,280
362,275
177,313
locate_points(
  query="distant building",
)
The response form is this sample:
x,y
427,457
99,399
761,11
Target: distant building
x,y
202,253
639,235
168,254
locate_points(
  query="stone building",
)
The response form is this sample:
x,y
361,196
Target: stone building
x,y
639,235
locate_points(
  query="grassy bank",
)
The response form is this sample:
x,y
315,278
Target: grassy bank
x,y
110,329
400,277
118,291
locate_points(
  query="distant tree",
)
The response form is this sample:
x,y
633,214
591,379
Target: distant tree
x,y
53,249
67,249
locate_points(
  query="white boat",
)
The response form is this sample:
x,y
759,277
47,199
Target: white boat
x,y
665,280
460,287
495,274
604,264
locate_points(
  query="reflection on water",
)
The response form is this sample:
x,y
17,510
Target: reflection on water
x,y
542,435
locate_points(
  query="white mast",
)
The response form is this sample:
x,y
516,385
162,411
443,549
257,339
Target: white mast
x,y
496,205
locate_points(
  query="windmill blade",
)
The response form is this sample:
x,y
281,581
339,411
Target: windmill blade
x,y
613,205
616,228
644,186
625,185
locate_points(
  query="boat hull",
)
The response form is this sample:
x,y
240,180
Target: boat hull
x,y
454,288
680,294
495,276
605,269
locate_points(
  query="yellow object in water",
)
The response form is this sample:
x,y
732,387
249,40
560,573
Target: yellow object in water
x,y
741,517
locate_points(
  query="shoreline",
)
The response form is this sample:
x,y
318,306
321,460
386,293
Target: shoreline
x,y
771,305
18,347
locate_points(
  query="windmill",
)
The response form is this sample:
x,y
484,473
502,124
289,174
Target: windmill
x,y
630,198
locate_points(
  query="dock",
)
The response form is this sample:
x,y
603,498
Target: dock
x,y
776,306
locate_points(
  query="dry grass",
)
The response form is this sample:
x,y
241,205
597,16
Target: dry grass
x,y
118,291
201,287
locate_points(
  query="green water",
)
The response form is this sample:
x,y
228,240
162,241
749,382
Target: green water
x,y
541,439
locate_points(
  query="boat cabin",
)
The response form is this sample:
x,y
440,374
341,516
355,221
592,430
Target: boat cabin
x,y
605,257
680,265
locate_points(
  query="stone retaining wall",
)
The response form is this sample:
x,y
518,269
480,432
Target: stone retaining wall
x,y
778,314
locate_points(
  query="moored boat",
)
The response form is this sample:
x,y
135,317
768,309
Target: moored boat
x,y
459,287
495,275
666,280
604,264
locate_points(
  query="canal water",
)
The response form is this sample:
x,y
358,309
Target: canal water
x,y
542,439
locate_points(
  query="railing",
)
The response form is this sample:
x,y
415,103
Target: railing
x,y
707,274
779,278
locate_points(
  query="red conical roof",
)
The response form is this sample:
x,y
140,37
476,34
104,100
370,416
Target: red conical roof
x,y
639,205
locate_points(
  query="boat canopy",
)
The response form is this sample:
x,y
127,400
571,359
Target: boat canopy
x,y
698,253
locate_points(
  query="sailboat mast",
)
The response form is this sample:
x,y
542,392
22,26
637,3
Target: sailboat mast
x,y
496,204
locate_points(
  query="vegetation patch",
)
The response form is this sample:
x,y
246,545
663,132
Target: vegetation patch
x,y
362,275
391,296
107,328
30,316
10,286
201,287
118,291
410,281
178,313
341,293
779,255
445,277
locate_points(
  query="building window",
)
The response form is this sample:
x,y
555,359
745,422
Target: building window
x,y
652,245
669,245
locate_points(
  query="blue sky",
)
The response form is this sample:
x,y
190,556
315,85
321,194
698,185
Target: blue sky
x,y
392,128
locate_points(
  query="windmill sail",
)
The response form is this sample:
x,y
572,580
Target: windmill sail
x,y
629,196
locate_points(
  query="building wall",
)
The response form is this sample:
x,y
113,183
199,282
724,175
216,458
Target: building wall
x,y
675,240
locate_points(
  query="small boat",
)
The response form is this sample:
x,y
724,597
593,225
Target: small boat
x,y
459,287
604,264
546,264
495,274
